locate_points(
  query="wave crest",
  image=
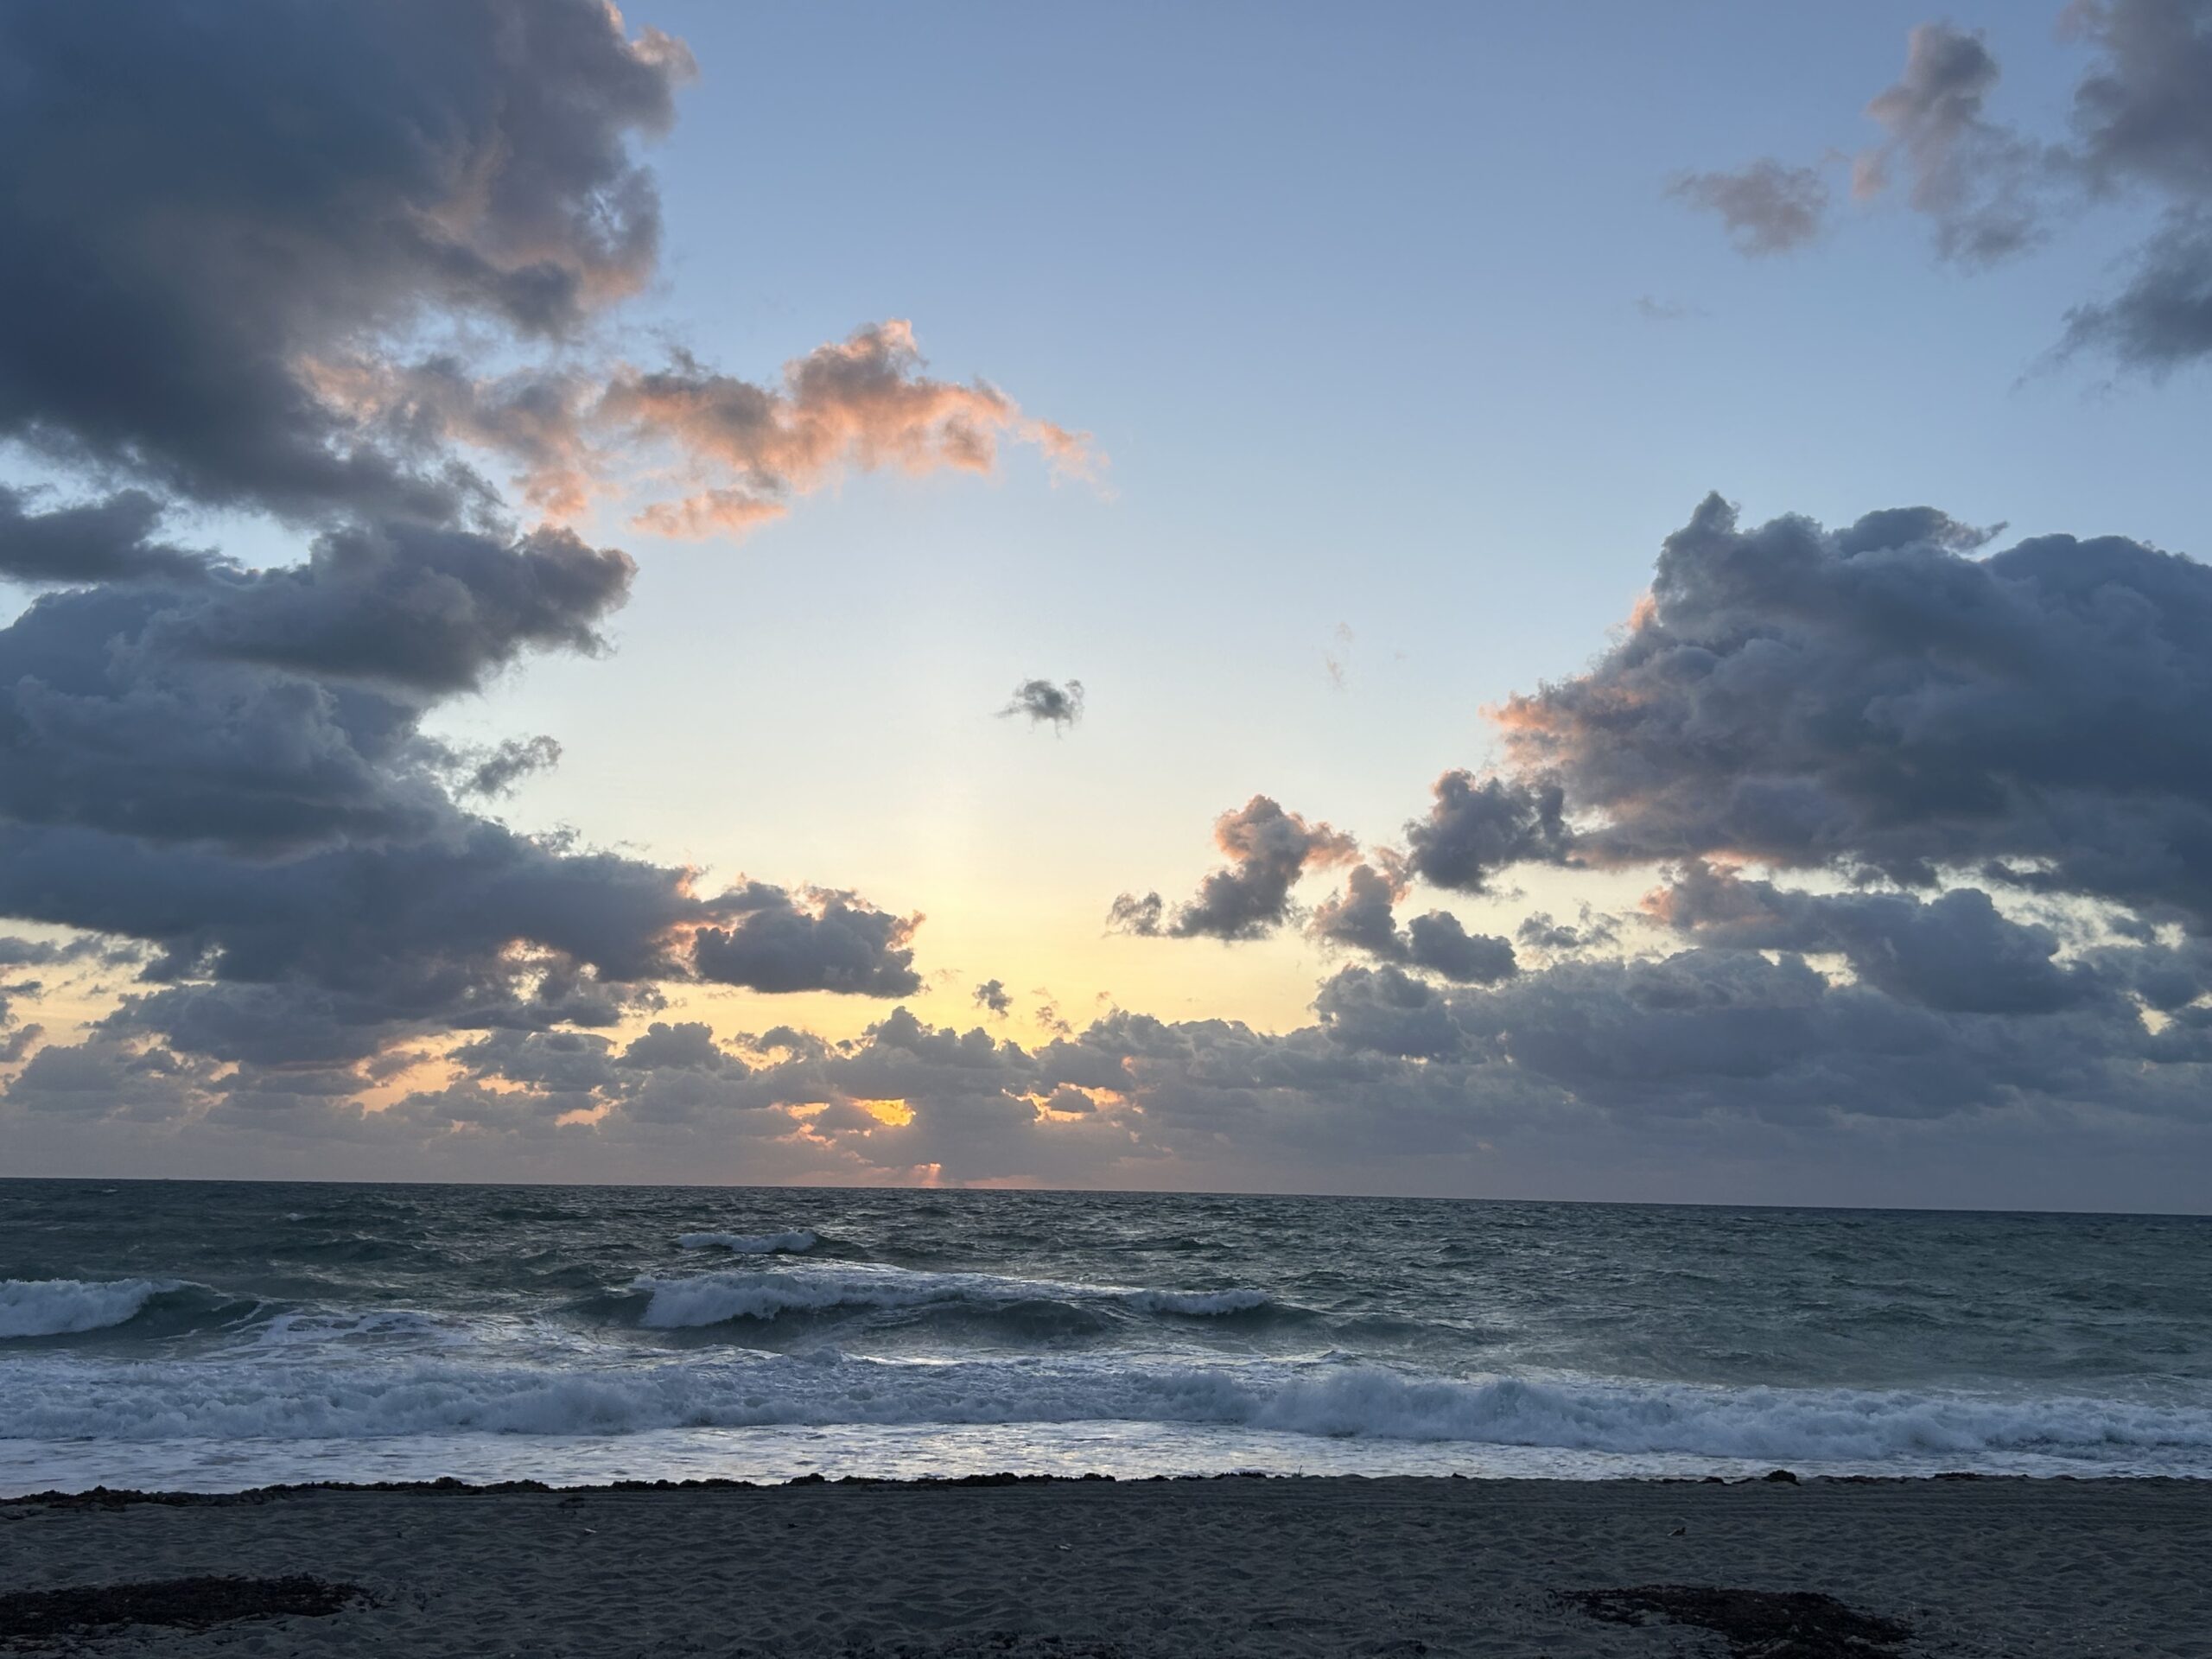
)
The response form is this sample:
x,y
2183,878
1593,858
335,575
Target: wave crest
x,y
50,1399
56,1307
716,1298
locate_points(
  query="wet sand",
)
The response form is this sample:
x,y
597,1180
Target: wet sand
x,y
1815,1569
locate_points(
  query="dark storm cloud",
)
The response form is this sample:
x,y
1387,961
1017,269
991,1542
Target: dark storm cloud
x,y
111,1082
1362,916
1473,830
427,609
1990,769
1046,703
214,224
1731,1031
2141,133
1875,699
1954,952
113,722
831,942
230,769
268,710
430,930
1610,1052
1440,943
335,957
1768,207
1268,849
200,201
17,952
107,540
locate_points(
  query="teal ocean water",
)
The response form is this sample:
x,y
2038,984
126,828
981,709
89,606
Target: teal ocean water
x,y
219,1335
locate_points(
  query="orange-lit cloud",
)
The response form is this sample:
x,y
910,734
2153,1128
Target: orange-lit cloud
x,y
737,452
863,404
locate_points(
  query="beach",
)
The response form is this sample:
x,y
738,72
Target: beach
x,y
1232,1565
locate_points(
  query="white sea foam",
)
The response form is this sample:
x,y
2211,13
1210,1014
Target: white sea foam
x,y
313,1328
53,1307
791,1243
735,1294
54,1398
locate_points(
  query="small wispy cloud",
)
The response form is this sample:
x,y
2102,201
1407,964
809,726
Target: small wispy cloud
x,y
1768,207
1057,704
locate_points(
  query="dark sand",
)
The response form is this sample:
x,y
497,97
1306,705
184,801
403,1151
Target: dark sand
x,y
1816,1570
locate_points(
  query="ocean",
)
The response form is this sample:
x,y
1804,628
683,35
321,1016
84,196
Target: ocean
x,y
214,1336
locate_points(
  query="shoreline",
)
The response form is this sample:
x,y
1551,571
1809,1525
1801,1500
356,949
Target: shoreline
x,y
1853,1567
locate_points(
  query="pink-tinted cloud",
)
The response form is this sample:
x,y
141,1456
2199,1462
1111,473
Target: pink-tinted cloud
x,y
737,452
865,403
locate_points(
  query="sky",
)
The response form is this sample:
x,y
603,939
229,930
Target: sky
x,y
1421,600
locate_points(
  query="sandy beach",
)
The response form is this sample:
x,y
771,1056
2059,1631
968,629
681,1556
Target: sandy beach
x,y
1233,1565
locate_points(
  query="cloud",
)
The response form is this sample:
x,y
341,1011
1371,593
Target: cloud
x,y
1874,699
201,201
510,761
1440,943
1980,768
1661,1067
818,942
1475,829
1974,766
1955,952
1361,917
1268,849
306,262
2138,110
1336,662
1731,1031
991,996
1540,931
1044,701
1975,180
863,403
270,711
2162,318
425,609
1768,207
2141,133
226,234
107,540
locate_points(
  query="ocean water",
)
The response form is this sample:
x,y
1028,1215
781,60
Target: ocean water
x,y
221,1335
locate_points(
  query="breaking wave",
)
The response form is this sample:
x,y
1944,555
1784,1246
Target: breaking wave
x,y
791,1243
54,1307
52,1399
713,1299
